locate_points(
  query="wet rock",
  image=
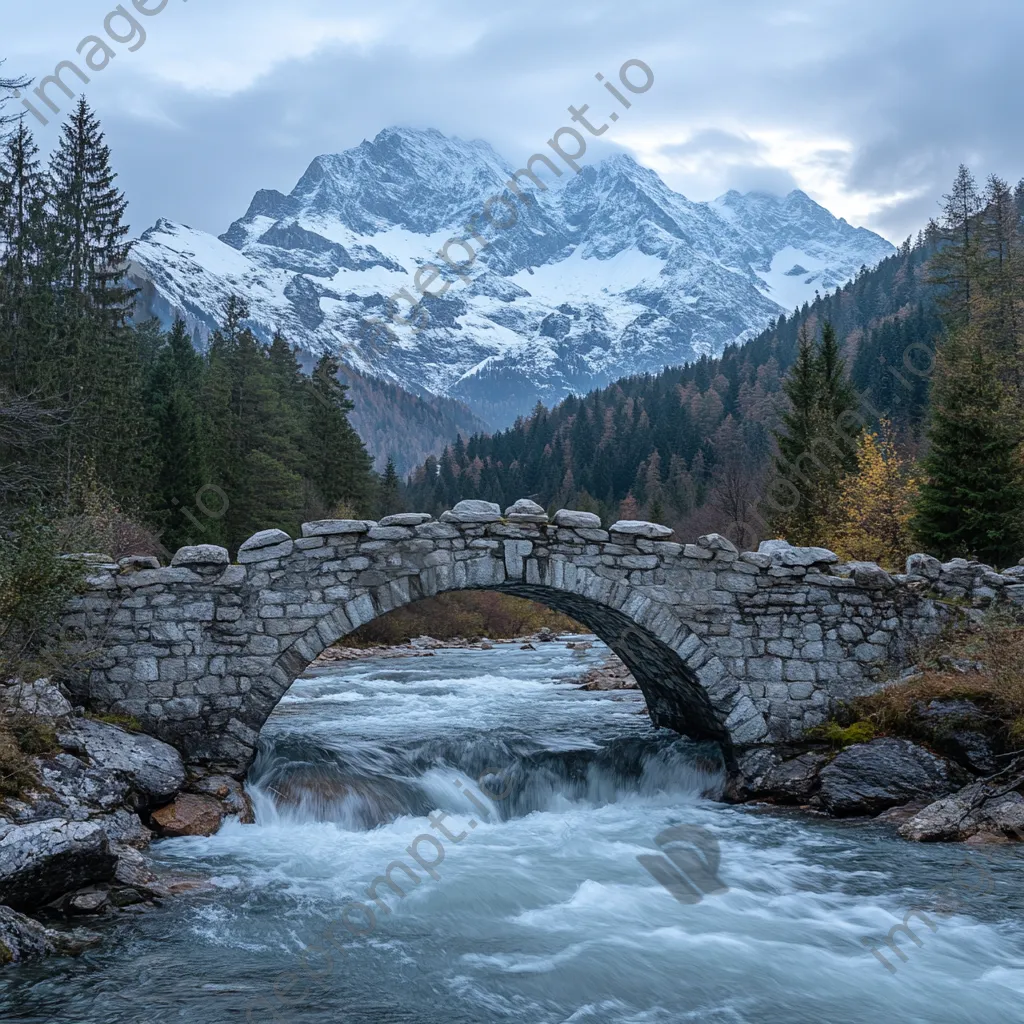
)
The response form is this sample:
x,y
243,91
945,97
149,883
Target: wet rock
x,y
190,815
231,794
22,939
40,697
611,675
794,781
991,809
45,859
93,902
868,778
153,768
132,868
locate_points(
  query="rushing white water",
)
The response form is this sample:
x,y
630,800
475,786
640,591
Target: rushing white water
x,y
541,911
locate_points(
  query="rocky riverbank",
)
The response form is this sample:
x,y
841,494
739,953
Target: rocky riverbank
x,y
80,800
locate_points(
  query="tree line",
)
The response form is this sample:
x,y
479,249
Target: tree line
x,y
123,433
881,418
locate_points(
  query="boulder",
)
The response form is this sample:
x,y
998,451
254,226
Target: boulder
x,y
571,520
75,790
991,809
473,512
191,814
638,528
153,768
526,511
40,697
45,859
869,778
783,553
200,554
22,939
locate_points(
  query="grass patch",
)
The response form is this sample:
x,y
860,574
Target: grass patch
x,y
23,737
127,722
998,689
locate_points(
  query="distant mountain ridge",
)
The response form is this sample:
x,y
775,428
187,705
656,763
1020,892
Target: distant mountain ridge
x,y
609,273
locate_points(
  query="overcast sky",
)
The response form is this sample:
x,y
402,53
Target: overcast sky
x,y
868,106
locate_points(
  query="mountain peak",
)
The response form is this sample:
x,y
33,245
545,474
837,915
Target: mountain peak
x,y
610,274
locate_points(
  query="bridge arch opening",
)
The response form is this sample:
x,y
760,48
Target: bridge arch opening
x,y
668,676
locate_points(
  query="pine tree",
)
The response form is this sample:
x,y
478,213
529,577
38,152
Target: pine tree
x,y
172,401
340,468
390,502
102,382
972,498
23,232
954,268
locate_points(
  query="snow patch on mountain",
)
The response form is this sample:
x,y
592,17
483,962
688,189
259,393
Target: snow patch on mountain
x,y
610,273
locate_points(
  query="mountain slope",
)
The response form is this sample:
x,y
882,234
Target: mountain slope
x,y
605,274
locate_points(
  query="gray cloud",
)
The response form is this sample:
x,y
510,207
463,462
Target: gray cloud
x,y
869,108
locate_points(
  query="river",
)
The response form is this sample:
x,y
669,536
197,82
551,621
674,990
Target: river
x,y
539,911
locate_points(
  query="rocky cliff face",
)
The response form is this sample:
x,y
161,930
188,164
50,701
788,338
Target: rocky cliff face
x,y
604,274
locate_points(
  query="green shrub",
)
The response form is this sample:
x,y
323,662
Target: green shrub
x,y
841,737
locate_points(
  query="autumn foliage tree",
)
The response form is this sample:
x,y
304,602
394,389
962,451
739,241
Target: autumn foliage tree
x,y
876,504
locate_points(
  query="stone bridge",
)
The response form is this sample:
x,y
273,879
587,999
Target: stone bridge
x,y
742,648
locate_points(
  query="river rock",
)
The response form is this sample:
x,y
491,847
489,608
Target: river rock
x,y
40,697
45,859
868,778
153,768
93,902
192,814
21,939
473,512
133,869
231,794
988,809
794,781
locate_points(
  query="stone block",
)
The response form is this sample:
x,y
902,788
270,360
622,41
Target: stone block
x,y
576,520
639,528
200,555
472,512
406,519
337,527
526,511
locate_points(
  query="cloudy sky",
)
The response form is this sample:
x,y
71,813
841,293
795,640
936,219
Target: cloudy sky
x,y
868,106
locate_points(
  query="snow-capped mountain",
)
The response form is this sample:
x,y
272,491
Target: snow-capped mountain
x,y
605,274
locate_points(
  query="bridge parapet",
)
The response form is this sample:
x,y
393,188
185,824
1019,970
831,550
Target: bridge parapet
x,y
740,647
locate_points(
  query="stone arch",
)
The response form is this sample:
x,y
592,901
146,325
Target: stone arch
x,y
685,685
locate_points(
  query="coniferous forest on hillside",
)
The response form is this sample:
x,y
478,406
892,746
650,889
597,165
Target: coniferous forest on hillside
x,y
879,418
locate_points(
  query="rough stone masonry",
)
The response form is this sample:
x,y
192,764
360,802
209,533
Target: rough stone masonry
x,y
743,648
